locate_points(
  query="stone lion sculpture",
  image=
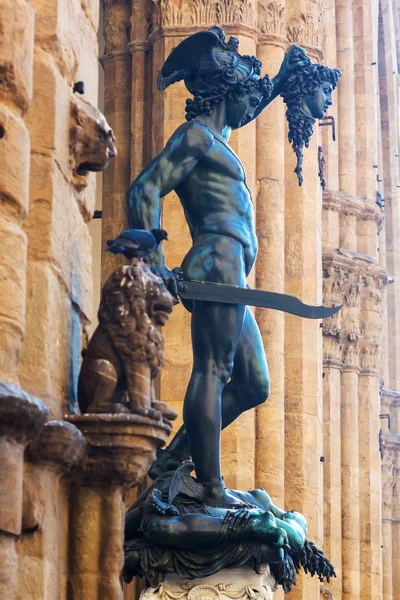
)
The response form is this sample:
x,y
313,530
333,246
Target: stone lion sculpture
x,y
91,140
126,351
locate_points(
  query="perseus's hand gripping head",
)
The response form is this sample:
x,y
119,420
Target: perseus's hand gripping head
x,y
212,70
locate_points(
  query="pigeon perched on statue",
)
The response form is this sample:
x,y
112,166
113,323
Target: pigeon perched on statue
x,y
137,243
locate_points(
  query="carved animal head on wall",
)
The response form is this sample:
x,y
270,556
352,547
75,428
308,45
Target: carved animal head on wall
x,y
91,140
307,93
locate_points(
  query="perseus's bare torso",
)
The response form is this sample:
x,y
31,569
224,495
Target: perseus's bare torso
x,y
217,202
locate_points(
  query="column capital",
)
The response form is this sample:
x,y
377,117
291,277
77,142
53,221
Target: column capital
x,y
271,20
117,25
120,447
203,13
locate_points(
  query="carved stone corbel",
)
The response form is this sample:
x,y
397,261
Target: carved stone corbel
x,y
91,141
59,447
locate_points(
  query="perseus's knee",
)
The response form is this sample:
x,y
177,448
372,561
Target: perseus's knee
x,y
260,392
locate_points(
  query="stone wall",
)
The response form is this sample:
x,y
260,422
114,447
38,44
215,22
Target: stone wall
x,y
315,446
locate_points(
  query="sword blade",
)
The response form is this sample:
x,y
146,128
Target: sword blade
x,y
232,294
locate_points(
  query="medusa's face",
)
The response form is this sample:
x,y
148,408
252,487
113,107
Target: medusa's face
x,y
315,105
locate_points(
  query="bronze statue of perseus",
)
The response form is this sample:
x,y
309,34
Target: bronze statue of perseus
x,y
230,372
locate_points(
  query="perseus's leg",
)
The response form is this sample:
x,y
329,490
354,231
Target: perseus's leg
x,y
249,385
216,329
247,388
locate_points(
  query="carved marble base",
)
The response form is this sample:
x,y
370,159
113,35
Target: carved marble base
x,y
229,584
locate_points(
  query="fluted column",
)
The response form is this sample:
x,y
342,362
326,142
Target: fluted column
x,y
365,89
388,89
369,409
387,406
345,94
333,348
142,87
330,147
350,441
270,272
117,64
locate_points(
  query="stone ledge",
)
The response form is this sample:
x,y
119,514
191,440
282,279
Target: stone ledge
x,y
347,204
22,416
60,444
120,447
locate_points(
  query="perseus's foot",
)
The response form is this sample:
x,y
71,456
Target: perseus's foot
x,y
156,504
217,495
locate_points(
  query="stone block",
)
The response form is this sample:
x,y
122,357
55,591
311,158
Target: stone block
x,y
45,360
16,52
57,232
65,33
14,163
49,114
12,297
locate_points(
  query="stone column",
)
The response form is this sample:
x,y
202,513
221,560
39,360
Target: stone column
x,y
21,417
369,425
345,95
270,272
43,546
330,147
142,87
388,89
333,287
365,90
120,450
350,440
117,64
303,339
388,406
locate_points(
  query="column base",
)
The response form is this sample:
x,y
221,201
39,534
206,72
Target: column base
x,y
229,584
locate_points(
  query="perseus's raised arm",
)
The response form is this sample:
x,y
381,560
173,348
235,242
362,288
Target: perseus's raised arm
x,y
164,173
286,69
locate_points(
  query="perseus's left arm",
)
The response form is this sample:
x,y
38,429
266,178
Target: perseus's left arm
x,y
265,100
287,67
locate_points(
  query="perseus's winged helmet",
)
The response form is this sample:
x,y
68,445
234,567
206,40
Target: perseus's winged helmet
x,y
205,59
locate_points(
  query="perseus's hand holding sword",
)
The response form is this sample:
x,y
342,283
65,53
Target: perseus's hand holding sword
x,y
230,373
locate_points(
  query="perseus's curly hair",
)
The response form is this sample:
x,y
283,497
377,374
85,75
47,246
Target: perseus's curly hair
x,y
227,84
304,82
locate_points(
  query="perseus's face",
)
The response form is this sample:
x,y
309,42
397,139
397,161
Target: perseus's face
x,y
242,110
316,105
